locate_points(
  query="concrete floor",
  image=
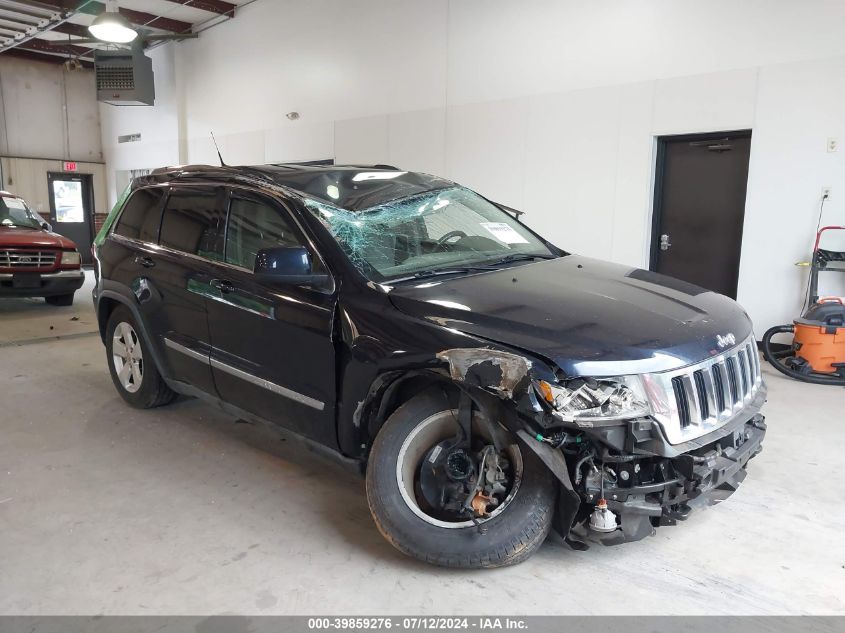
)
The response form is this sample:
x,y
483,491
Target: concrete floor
x,y
104,509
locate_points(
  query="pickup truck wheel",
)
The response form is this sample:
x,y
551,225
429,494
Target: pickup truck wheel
x,y
134,374
409,509
60,300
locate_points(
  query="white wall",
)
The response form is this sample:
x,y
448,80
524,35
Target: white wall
x,y
552,106
48,112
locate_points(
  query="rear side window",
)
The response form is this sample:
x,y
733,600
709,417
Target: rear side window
x,y
254,225
194,221
140,217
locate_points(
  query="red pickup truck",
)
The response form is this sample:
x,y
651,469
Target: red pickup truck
x,y
34,261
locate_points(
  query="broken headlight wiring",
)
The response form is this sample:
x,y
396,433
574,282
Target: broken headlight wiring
x,y
590,402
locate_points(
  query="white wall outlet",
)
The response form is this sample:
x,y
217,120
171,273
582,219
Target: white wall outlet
x,y
826,191
832,144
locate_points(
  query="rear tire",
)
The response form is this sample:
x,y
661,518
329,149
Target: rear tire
x,y
132,369
511,534
60,300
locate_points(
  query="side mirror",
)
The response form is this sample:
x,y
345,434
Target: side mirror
x,y
289,265
46,226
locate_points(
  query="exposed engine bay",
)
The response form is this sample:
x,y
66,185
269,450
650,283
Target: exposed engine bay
x,y
620,476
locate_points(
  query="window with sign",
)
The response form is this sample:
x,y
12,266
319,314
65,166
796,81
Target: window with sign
x,y
67,195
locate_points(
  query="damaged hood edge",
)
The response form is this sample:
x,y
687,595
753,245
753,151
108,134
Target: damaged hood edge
x,y
584,316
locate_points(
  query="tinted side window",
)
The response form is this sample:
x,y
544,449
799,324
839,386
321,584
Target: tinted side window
x,y
141,215
254,225
194,220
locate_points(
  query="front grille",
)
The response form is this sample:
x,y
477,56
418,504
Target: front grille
x,y
702,397
27,260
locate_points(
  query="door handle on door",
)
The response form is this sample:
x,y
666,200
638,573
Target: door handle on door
x,y
146,262
222,285
664,242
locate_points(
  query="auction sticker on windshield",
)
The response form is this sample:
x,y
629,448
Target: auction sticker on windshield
x,y
504,233
14,203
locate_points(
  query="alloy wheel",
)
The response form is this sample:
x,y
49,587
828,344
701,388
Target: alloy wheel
x,y
128,357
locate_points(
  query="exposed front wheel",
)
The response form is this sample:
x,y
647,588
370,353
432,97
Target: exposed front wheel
x,y
452,502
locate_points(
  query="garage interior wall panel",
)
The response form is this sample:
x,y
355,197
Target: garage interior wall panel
x,y
550,106
47,111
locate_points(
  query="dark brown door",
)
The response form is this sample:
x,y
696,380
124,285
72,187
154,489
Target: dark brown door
x,y
700,207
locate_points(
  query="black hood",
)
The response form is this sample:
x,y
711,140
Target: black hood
x,y
587,316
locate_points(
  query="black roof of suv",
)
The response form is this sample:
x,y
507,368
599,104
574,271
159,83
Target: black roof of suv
x,y
313,180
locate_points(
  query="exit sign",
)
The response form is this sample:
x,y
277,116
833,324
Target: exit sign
x,y
71,166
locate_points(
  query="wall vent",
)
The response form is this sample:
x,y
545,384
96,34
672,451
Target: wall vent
x,y
129,138
124,77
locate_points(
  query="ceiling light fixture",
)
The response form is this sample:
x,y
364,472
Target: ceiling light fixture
x,y
112,27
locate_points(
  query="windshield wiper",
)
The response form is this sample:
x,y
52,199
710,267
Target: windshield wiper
x,y
520,257
456,270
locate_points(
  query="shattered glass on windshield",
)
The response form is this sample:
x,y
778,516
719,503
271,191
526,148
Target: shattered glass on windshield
x,y
429,231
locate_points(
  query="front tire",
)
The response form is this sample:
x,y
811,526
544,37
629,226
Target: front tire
x,y
132,369
507,536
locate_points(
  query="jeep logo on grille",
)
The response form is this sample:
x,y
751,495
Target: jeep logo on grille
x,y
726,340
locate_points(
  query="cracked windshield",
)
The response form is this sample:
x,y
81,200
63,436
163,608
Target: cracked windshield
x,y
427,233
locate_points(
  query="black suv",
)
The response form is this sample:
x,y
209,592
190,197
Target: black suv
x,y
491,385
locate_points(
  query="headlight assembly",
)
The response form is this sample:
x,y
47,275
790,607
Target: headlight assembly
x,y
70,258
592,402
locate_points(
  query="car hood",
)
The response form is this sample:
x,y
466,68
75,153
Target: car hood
x,y
587,316
30,238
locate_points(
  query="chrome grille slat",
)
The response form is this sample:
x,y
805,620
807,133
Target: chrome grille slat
x,y
704,396
692,400
721,383
679,390
27,260
751,350
733,380
744,381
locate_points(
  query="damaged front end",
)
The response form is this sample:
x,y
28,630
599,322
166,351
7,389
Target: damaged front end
x,y
630,452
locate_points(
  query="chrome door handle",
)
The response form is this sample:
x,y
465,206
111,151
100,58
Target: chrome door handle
x,y
146,262
664,242
222,285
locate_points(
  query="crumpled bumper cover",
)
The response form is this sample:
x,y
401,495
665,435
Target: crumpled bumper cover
x,y
700,479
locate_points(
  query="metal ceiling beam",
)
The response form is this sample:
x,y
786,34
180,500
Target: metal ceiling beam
x,y
30,7
41,5
57,48
43,57
22,21
69,28
94,7
212,6
12,26
47,21
140,18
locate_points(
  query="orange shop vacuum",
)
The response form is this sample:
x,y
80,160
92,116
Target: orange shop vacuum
x,y
817,353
